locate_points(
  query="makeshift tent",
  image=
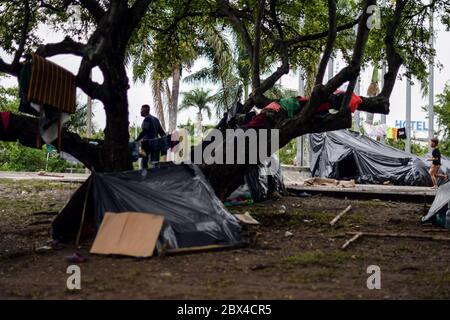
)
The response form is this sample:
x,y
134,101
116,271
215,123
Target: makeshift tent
x,y
260,182
345,154
265,179
193,215
439,212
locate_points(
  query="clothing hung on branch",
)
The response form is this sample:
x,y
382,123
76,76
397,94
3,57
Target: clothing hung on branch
x,y
293,105
51,85
5,119
290,105
376,131
49,92
161,144
401,133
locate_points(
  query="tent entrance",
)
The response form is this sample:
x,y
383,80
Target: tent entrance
x,y
347,169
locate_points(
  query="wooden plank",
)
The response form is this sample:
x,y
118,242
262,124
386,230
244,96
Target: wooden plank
x,y
213,247
333,222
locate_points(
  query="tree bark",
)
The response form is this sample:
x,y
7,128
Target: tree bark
x,y
25,130
115,153
157,91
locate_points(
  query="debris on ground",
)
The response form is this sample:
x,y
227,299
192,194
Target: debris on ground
x,y
340,215
76,258
288,234
282,209
246,218
353,239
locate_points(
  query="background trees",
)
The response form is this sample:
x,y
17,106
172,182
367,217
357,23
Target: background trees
x,y
271,37
442,111
202,101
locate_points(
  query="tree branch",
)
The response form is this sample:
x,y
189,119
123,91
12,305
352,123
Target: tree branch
x,y
14,67
256,81
332,33
85,83
273,15
394,60
239,25
8,68
136,12
94,8
24,129
67,46
377,104
24,32
281,70
323,34
350,73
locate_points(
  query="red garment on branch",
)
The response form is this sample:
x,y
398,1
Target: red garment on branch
x,y
5,119
258,121
355,101
273,106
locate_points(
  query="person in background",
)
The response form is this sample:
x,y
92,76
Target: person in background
x,y
151,128
436,163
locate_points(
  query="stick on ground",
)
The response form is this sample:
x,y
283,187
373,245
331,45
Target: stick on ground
x,y
333,222
353,239
436,230
401,235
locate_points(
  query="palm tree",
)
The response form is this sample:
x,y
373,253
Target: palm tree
x,y
165,97
229,68
373,91
201,100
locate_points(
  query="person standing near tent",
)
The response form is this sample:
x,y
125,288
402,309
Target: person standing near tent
x,y
436,164
151,128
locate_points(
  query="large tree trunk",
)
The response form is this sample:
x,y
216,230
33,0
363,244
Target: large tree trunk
x,y
115,154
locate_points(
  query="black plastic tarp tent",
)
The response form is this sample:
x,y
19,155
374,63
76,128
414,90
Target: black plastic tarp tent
x,y
439,212
265,179
194,216
345,154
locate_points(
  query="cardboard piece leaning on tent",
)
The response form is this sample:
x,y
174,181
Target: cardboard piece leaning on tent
x,y
128,233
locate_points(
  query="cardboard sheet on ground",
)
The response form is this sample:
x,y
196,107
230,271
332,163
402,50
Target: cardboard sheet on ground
x,y
128,233
329,182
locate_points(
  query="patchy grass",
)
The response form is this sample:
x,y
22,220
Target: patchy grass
x,y
319,258
306,265
313,276
35,186
297,218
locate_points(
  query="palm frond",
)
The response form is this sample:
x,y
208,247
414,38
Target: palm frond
x,y
203,76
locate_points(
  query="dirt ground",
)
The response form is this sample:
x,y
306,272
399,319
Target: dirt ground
x,y
307,265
